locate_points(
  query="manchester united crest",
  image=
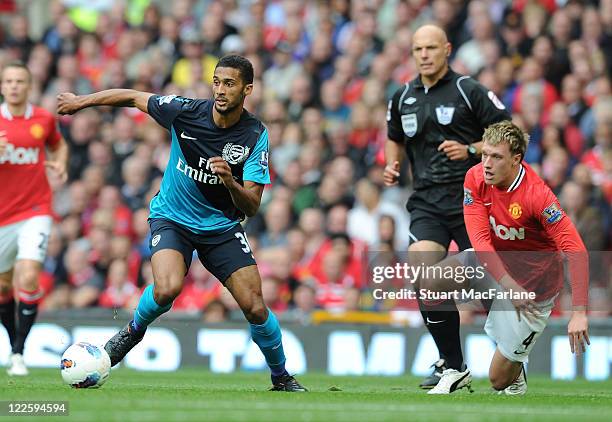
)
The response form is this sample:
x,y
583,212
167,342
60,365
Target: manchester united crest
x,y
37,131
515,210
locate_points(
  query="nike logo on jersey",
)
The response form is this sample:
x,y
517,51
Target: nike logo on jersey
x,y
516,352
185,136
28,311
434,322
410,100
487,204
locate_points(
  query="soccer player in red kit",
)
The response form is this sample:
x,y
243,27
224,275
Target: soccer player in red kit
x,y
518,230
25,203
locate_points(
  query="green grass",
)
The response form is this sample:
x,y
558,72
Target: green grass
x,y
197,395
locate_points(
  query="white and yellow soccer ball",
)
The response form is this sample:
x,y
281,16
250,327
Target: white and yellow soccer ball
x,y
85,365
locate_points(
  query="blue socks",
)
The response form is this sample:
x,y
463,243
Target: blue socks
x,y
148,310
268,337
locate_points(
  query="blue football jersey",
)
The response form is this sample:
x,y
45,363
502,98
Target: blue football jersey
x,y
190,194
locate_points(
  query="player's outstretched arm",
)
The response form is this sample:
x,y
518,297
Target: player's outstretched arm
x,y
69,103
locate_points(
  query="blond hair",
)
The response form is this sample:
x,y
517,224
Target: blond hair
x,y
507,132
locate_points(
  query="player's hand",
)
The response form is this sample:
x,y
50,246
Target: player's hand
x,y
67,103
58,168
527,308
220,167
391,174
3,142
454,150
578,332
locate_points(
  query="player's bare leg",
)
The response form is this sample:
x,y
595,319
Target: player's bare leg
x,y
25,278
506,376
245,286
168,272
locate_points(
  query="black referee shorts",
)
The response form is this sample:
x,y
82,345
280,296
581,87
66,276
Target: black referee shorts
x,y
428,225
221,254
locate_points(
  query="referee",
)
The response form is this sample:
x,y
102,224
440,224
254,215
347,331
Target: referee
x,y
438,119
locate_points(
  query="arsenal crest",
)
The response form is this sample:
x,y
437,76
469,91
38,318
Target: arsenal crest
x,y
235,154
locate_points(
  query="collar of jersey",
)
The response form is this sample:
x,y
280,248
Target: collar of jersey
x,y
517,180
447,77
4,111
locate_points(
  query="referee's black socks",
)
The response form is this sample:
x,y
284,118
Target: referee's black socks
x,y
442,321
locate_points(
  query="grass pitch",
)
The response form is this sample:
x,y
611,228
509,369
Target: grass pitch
x,y
198,395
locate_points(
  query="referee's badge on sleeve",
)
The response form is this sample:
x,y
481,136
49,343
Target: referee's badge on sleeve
x,y
445,114
409,124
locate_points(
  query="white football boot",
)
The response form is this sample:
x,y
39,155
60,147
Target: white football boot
x,y
16,367
518,387
453,380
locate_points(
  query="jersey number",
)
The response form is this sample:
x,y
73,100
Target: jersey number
x,y
244,242
43,242
529,339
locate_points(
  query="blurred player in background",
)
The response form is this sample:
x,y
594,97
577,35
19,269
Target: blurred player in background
x,y
438,119
508,208
216,175
26,132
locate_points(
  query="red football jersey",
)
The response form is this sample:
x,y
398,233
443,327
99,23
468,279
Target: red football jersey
x,y
529,229
24,190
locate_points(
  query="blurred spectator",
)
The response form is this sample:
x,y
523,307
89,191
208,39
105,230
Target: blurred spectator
x,y
281,74
135,173
83,285
304,302
272,293
363,219
194,64
200,289
277,218
214,312
120,289
587,219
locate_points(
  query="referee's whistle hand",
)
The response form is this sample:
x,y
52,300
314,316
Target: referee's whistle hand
x,y
454,150
391,174
66,103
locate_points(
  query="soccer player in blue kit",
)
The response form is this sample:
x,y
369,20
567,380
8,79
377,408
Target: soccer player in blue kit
x,y
215,177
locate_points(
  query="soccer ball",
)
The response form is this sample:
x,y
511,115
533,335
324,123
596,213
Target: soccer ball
x,y
85,365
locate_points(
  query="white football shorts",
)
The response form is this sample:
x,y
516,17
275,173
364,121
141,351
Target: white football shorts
x,y
26,239
515,338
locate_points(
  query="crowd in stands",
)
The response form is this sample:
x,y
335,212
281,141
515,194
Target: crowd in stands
x,y
324,72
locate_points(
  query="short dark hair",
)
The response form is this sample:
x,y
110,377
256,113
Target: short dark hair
x,y
243,65
18,64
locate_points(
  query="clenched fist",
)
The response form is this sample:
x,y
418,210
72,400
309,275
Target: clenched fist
x,y
67,103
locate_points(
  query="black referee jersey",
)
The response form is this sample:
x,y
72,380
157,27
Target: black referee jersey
x,y
456,108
